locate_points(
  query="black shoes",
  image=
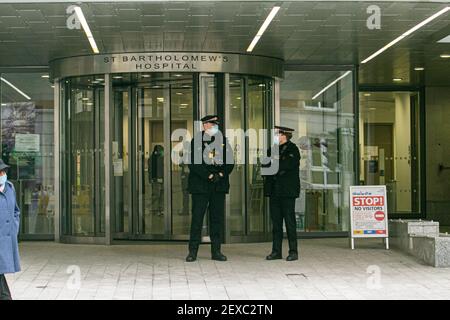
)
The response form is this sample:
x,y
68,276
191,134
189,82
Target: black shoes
x,y
218,256
191,257
274,256
292,257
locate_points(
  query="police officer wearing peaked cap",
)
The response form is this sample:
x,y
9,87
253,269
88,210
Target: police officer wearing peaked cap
x,y
208,183
283,187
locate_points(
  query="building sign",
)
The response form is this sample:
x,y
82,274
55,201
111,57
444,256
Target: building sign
x,y
167,62
368,213
27,142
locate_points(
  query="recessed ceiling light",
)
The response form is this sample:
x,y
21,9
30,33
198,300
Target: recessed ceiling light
x,y
372,109
85,99
177,75
3,104
445,56
145,76
238,98
367,94
117,77
397,79
15,88
46,76
86,28
179,93
99,79
445,40
263,28
419,68
407,33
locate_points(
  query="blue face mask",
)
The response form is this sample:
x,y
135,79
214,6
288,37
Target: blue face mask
x,y
3,180
276,139
213,130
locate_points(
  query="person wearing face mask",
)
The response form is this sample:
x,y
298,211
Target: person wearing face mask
x,y
208,182
283,187
9,229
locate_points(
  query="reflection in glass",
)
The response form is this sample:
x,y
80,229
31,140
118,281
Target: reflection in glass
x,y
258,97
82,155
388,139
151,102
237,177
120,159
27,142
181,117
324,134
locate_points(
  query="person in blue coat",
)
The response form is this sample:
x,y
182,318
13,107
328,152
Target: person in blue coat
x,y
9,229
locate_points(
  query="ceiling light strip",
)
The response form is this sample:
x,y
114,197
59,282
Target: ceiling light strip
x,y
331,84
86,29
407,33
15,88
263,28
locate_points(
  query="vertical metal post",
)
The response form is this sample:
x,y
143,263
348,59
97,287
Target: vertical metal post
x,y
107,156
276,102
167,161
57,159
226,113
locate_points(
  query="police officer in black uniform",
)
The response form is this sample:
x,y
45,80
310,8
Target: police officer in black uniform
x,y
210,166
283,187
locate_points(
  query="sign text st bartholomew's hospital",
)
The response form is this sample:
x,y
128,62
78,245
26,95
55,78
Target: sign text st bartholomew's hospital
x,y
172,62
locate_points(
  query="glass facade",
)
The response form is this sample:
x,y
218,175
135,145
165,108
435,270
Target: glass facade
x,y
82,154
149,196
27,143
389,141
323,117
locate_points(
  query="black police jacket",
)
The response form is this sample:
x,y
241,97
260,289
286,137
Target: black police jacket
x,y
286,181
198,181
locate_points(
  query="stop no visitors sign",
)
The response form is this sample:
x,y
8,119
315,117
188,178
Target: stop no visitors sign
x,y
368,212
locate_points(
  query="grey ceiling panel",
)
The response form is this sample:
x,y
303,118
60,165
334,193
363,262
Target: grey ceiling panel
x,y
305,32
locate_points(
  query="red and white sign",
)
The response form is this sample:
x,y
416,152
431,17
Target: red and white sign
x,y
368,212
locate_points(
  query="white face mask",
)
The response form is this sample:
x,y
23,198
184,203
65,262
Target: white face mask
x,y
3,180
276,139
213,130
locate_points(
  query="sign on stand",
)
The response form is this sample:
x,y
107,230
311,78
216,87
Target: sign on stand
x,y
368,213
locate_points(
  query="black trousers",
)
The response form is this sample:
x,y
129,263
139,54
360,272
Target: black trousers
x,y
215,203
5,294
283,208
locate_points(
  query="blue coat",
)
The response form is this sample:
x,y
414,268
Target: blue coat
x,y
9,228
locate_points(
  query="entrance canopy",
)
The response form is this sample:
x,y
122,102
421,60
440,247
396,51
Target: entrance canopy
x,y
33,33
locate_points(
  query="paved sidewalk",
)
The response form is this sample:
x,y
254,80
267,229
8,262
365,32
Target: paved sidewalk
x,y
327,269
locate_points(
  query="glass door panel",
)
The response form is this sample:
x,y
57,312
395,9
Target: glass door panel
x,y
151,104
151,199
389,140
257,100
120,158
236,121
181,120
